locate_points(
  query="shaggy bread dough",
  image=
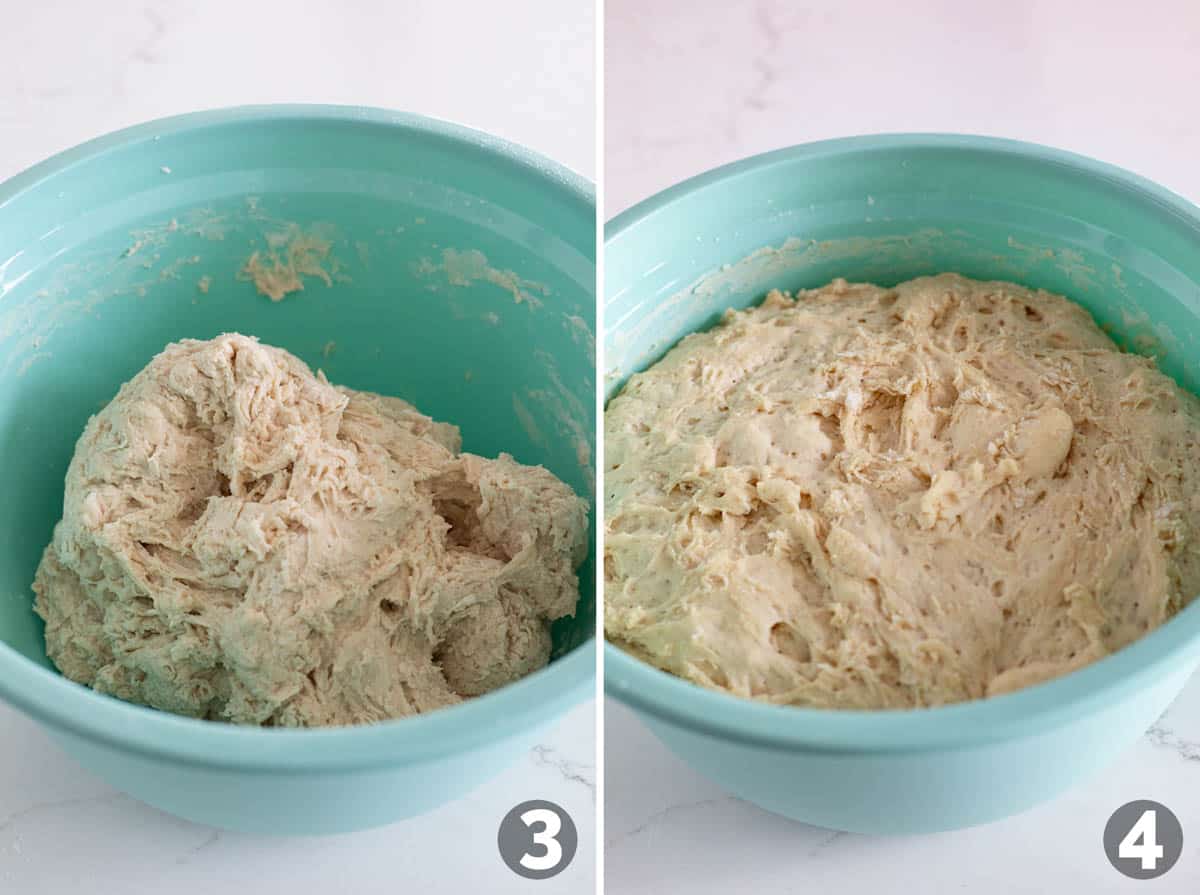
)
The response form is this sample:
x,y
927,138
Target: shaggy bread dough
x,y
242,540
868,498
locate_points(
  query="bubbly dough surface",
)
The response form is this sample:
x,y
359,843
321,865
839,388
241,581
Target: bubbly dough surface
x,y
243,541
867,498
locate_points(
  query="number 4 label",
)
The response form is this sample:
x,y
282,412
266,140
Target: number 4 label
x,y
1141,842
1143,839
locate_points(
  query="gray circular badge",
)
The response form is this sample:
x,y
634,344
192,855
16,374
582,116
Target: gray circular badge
x,y
537,839
1143,839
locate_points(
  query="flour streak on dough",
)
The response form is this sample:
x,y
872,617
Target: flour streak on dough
x,y
866,497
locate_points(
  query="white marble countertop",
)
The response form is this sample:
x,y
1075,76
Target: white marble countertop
x,y
63,830
74,71
687,90
668,829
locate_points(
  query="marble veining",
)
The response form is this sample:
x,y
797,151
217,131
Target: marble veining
x,y
572,771
15,818
1166,738
662,816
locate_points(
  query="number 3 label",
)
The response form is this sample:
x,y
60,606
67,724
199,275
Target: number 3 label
x,y
544,837
1143,839
537,839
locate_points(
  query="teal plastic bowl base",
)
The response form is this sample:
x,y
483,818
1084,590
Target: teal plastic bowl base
x,y
887,209
462,274
957,789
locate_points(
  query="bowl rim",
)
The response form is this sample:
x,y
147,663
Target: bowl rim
x,y
1116,678
916,141
74,709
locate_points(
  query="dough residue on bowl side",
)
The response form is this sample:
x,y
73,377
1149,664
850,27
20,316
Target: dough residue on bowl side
x,y
291,255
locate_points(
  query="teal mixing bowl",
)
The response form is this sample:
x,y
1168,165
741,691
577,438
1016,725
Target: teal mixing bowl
x,y
887,209
445,266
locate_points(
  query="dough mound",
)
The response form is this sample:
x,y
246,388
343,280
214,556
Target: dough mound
x,y
877,498
243,541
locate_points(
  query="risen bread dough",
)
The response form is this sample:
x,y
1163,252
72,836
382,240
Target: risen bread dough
x,y
868,498
242,540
